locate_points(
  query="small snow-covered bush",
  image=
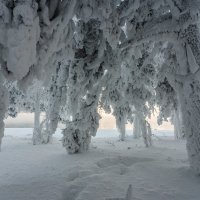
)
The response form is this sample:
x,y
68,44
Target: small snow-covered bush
x,y
74,140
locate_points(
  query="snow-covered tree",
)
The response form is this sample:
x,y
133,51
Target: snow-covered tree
x,y
176,22
86,77
15,99
31,101
57,98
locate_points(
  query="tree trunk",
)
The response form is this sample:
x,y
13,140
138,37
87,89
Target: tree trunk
x,y
84,124
149,133
47,133
137,128
57,99
190,107
144,132
1,131
3,108
37,138
121,126
177,125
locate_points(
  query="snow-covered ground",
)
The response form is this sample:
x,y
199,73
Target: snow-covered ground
x,y
47,172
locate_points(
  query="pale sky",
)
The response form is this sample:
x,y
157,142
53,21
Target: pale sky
x,y
107,122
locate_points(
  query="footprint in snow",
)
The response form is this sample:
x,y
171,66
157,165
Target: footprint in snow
x,y
127,161
129,195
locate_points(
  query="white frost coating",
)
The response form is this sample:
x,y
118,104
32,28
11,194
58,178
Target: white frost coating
x,y
78,132
57,96
75,141
4,13
190,110
191,60
20,40
53,6
181,55
23,14
77,135
22,49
